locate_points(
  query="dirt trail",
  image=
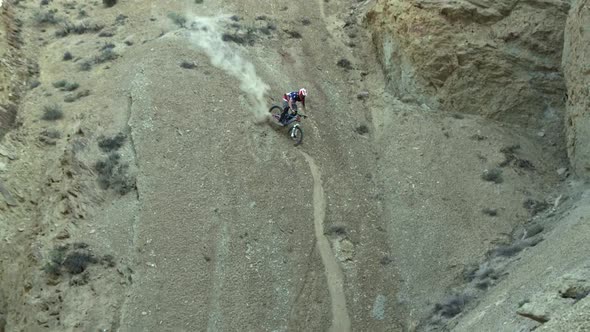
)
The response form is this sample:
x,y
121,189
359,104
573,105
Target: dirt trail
x,y
334,276
322,11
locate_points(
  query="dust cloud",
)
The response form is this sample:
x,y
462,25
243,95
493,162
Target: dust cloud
x,y
205,33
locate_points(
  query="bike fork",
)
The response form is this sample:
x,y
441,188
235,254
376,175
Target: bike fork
x,y
292,131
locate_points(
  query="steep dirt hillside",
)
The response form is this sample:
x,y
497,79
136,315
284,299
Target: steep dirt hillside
x,y
156,179
577,73
12,67
544,287
442,215
269,237
144,188
500,60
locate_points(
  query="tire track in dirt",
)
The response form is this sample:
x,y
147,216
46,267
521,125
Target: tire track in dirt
x,y
334,275
325,19
322,9
215,321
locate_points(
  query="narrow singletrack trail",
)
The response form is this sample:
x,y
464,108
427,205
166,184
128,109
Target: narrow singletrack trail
x,y
334,275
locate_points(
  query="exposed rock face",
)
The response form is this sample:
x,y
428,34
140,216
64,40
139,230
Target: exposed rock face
x,y
12,71
576,67
500,59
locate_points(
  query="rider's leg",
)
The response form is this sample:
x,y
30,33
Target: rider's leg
x,y
285,110
290,114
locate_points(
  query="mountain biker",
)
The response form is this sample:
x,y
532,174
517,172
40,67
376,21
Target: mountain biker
x,y
290,100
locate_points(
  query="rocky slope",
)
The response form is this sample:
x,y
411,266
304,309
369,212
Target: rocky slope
x,y
162,203
12,68
509,61
499,59
141,191
577,72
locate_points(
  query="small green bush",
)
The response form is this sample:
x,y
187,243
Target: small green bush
x,y
478,137
188,65
56,258
108,260
362,129
49,136
335,229
386,260
265,30
78,28
59,84
113,174
74,259
52,112
67,56
121,19
109,3
509,250
452,305
41,17
575,292
344,63
34,84
64,85
178,19
493,175
294,34
51,133
109,144
105,55
76,262
534,207
490,212
107,46
85,65
72,97
71,86
106,34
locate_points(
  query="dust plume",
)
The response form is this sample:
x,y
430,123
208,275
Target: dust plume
x,y
206,35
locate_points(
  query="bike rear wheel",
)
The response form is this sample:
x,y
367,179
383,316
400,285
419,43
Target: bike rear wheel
x,y
275,111
296,134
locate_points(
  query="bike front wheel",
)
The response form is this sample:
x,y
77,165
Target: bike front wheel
x,y
296,134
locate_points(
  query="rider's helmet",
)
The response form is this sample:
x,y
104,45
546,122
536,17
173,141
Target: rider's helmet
x,y
302,93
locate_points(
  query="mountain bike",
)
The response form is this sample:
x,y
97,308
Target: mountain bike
x,y
295,132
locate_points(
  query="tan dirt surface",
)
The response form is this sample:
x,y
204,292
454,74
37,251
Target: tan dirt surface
x,y
156,199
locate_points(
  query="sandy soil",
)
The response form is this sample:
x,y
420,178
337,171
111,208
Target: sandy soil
x,y
223,224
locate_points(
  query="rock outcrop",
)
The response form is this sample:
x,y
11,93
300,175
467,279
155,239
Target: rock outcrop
x,y
576,67
12,70
500,59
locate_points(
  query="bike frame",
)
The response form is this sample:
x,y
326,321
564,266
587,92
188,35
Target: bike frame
x,y
291,119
